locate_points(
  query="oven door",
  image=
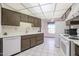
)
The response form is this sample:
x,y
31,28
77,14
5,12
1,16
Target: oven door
x,y
65,46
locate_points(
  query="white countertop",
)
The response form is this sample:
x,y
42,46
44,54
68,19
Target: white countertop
x,y
72,40
19,34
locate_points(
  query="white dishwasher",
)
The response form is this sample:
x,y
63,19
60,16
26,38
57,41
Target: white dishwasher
x,y
11,45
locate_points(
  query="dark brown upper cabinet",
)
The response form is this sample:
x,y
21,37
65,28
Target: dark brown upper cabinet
x,y
4,16
13,18
67,23
74,21
10,17
36,22
30,19
24,18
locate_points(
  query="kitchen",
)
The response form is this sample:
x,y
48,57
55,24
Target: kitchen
x,y
47,29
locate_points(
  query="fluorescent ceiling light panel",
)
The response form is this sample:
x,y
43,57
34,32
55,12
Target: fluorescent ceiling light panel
x,y
35,10
49,14
26,12
59,13
28,5
38,14
64,6
48,7
7,7
16,6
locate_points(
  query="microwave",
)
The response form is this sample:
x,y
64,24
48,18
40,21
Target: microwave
x,y
72,32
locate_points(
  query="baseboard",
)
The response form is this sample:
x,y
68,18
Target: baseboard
x,y
48,37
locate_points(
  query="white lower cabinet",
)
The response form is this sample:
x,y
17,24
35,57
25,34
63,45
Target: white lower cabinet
x,y
11,45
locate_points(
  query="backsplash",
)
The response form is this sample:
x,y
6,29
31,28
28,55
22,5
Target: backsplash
x,y
23,28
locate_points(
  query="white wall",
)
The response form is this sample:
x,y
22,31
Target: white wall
x,y
0,18
60,26
44,29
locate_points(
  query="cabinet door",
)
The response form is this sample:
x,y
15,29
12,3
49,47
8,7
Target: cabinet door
x,y
34,22
30,19
25,43
33,41
40,38
11,45
67,23
13,18
4,17
37,22
24,18
10,17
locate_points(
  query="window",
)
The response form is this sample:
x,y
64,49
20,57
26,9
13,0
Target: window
x,y
51,27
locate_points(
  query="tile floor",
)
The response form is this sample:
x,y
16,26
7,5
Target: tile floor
x,y
46,49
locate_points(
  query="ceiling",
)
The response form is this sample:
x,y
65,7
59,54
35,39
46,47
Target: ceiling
x,y
40,10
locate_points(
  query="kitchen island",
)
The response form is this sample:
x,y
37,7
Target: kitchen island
x,y
12,44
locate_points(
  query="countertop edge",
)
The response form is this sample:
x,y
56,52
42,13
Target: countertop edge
x,y
74,41
14,35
